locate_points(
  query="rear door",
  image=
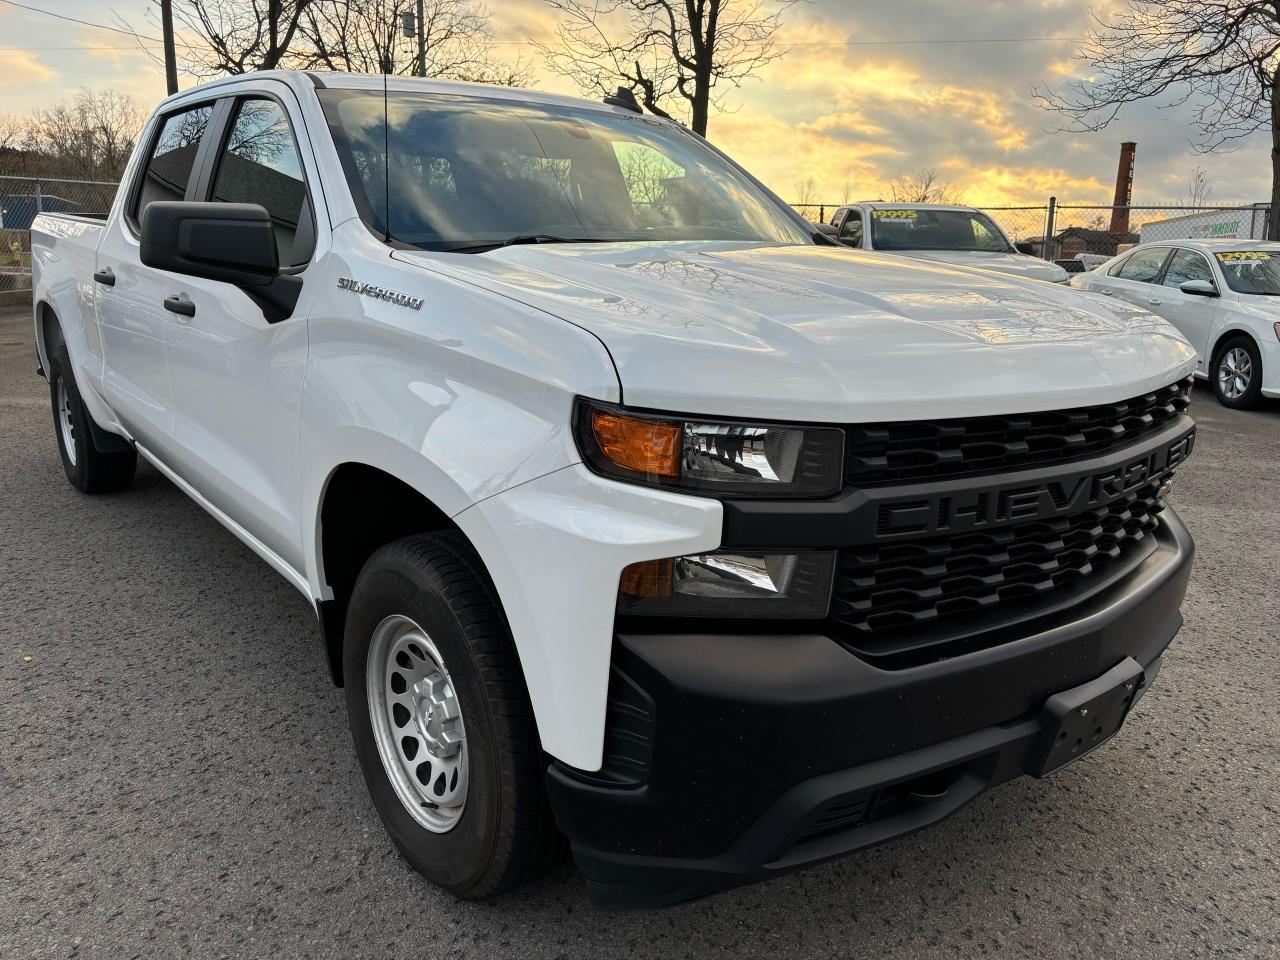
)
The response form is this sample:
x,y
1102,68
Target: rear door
x,y
128,298
1190,313
1133,277
238,378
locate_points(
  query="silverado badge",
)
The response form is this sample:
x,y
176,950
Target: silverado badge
x,y
380,293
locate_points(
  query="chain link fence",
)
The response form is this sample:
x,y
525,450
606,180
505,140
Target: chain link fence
x,y
1078,235
22,199
1081,236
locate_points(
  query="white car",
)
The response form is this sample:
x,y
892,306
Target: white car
x,y
629,508
1224,295
963,236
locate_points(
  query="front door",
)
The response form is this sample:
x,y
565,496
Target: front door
x,y
237,378
1190,313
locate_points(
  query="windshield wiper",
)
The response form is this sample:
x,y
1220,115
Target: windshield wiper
x,y
521,238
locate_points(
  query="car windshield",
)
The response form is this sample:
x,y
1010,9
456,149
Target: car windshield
x,y
1251,271
904,228
464,173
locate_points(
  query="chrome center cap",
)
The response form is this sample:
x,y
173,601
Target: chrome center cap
x,y
438,716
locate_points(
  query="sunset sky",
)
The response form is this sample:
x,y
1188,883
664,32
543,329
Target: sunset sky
x,y
852,104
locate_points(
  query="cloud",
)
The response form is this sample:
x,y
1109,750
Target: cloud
x,y
22,68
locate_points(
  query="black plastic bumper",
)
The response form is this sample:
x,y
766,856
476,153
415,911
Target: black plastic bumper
x,y
773,752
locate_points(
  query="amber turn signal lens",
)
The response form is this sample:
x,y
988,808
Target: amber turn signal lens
x,y
649,580
645,446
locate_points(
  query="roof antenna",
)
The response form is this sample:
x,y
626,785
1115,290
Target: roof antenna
x,y
624,98
386,163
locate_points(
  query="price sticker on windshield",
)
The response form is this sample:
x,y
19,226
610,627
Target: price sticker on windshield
x,y
899,215
1242,256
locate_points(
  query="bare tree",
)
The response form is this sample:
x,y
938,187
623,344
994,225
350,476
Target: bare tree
x,y
804,191
922,187
1218,55
233,36
366,36
89,137
665,51
1198,187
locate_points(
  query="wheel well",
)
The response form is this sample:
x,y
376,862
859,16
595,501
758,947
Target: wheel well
x,y
363,509
50,332
1227,335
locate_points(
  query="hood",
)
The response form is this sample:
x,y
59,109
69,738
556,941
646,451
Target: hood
x,y
1017,264
829,334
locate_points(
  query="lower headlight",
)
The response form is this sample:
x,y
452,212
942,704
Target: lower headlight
x,y
723,584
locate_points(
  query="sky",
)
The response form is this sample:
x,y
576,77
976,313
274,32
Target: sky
x,y
865,93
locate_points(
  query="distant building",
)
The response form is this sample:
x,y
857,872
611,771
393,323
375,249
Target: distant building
x,y
17,210
1066,244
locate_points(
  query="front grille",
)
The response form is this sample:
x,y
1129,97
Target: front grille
x,y
895,587
880,453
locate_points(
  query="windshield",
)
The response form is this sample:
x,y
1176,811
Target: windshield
x,y
922,229
1251,271
459,172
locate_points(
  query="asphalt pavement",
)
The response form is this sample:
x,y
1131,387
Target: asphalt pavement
x,y
176,776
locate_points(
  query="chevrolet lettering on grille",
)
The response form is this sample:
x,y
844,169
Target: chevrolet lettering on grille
x,y
978,509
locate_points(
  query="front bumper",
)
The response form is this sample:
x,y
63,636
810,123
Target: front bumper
x,y
744,757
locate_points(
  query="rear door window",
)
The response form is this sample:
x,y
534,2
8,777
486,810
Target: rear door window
x,y
168,170
1144,266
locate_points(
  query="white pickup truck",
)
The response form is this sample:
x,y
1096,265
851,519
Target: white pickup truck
x,y
631,509
963,236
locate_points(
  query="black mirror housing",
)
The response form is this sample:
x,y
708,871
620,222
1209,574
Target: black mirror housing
x,y
1023,247
231,243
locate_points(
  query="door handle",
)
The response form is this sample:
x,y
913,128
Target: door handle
x,y
1154,302
180,304
105,277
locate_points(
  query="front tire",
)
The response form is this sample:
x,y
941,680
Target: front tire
x,y
1237,373
441,718
87,468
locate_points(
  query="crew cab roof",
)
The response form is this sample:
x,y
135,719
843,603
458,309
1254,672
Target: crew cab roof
x,y
302,80
907,205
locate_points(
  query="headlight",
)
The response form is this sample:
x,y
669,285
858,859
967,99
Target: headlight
x,y
730,584
720,457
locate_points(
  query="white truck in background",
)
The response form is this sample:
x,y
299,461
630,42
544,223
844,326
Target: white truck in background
x,y
630,508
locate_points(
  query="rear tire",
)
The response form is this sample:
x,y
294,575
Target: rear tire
x,y
88,469
1237,373
433,683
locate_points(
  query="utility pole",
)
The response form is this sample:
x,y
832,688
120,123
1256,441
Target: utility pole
x,y
170,56
421,70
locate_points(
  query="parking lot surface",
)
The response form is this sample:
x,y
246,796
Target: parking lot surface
x,y
176,776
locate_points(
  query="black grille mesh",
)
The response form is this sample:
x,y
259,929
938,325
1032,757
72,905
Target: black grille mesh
x,y
928,449
890,587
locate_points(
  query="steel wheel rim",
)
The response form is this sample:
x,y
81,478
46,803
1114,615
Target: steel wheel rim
x,y
417,723
65,424
1235,370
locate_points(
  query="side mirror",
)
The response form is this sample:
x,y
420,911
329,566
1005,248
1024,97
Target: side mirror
x,y
231,243
1023,247
1199,288
827,230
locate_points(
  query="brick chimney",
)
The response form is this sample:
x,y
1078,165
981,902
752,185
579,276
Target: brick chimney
x,y
1124,190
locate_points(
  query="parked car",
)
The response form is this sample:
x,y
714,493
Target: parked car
x,y
957,235
1224,295
628,507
